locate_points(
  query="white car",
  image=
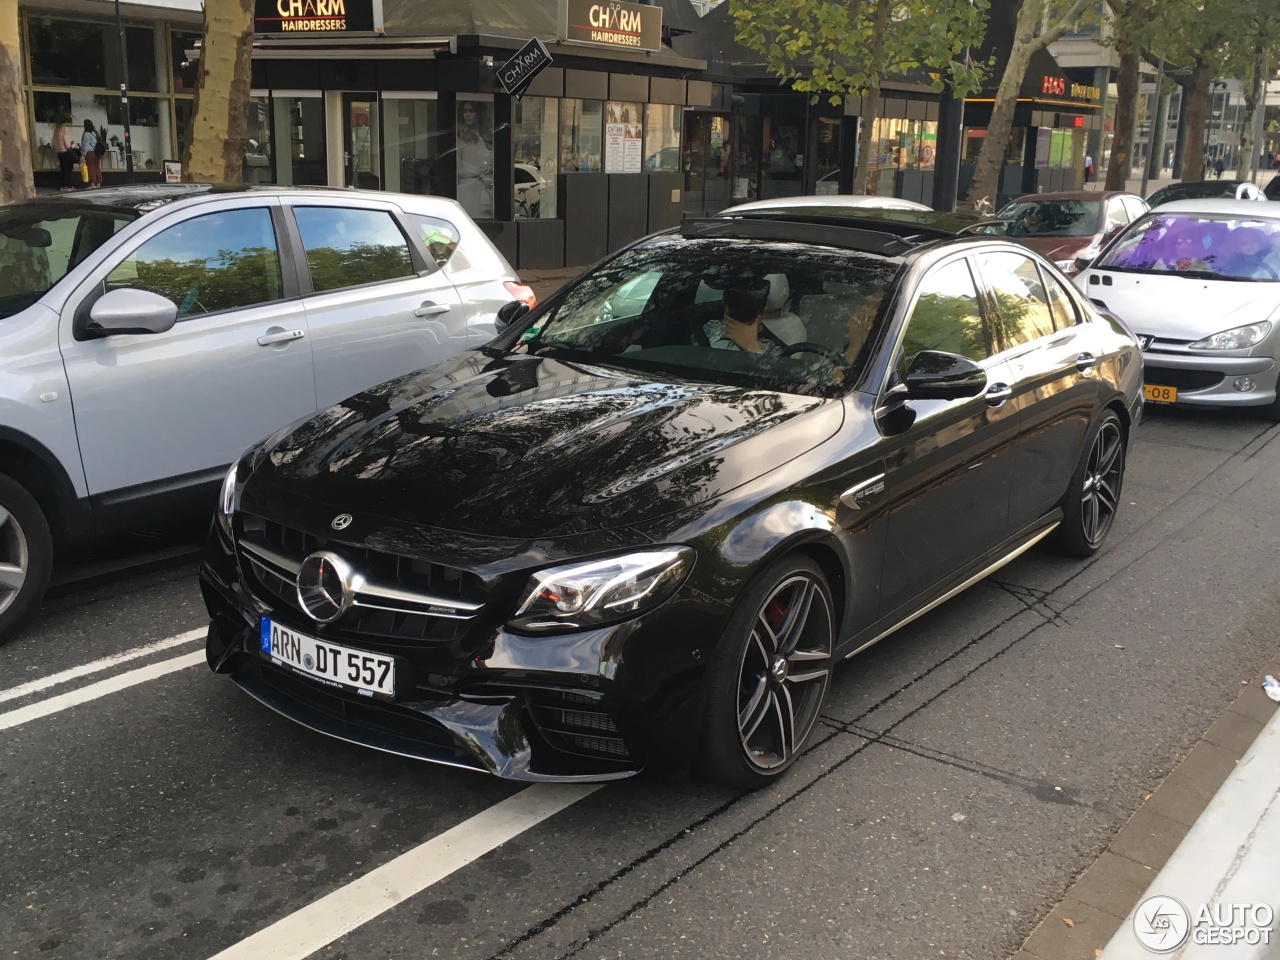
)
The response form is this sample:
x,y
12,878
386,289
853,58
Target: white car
x,y
1198,281
827,200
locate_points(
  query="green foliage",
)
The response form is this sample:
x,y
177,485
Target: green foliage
x,y
232,278
336,267
829,46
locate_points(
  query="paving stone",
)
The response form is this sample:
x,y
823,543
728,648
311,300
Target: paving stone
x,y
1254,703
1208,765
1113,884
1182,797
1054,940
1234,731
1149,838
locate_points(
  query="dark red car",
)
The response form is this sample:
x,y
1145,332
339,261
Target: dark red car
x,y
1071,224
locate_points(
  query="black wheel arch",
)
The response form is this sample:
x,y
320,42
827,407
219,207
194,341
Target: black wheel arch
x,y
32,465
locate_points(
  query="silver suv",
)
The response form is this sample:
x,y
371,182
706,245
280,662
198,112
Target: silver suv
x,y
148,335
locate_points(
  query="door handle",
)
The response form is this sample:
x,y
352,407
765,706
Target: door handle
x,y
430,309
1084,362
998,393
280,336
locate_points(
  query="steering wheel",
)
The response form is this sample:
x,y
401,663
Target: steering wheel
x,y
805,347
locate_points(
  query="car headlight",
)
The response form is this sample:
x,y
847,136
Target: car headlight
x,y
600,592
228,500
1236,338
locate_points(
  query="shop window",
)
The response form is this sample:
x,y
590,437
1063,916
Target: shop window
x,y
475,156
257,148
744,153
348,247
623,137
86,53
183,68
782,160
826,148
581,135
662,138
300,157
220,261
411,139
535,133
697,139
182,109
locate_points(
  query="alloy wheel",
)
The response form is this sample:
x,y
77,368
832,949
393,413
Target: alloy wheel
x,y
785,670
14,559
1100,492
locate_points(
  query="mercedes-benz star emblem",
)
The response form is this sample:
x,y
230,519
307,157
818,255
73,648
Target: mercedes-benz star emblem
x,y
324,586
341,521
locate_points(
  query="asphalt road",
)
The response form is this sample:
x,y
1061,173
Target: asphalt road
x,y
966,771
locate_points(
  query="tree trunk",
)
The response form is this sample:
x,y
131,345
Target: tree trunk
x,y
16,181
1197,94
986,173
1126,113
871,102
219,116
1245,165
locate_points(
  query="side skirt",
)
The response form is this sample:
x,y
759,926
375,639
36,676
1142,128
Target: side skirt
x,y
878,631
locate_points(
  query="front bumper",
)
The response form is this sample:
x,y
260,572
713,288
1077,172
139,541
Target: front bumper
x,y
1206,380
593,705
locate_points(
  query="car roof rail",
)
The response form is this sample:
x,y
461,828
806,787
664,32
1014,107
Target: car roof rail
x,y
829,231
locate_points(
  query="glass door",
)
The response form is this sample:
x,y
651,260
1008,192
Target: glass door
x,y
361,146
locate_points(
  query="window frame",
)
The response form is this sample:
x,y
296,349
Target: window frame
x,y
1011,350
1046,277
423,262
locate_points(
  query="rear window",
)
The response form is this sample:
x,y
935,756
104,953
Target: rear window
x,y
40,244
783,316
1201,246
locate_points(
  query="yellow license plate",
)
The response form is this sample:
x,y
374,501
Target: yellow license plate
x,y
1158,394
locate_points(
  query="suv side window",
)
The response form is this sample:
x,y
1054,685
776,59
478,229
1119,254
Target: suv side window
x,y
217,261
1014,280
348,248
440,237
946,317
1064,308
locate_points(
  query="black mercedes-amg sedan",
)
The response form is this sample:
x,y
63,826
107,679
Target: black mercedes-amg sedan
x,y
640,527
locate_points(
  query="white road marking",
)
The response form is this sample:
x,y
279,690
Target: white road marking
x,y
320,923
93,691
97,666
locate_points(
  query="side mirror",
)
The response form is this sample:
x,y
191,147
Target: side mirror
x,y
1083,263
934,375
131,311
509,313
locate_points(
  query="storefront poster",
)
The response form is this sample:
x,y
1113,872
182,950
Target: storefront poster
x,y
172,171
632,148
615,148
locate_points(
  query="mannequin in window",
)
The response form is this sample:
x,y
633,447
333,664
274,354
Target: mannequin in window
x,y
475,161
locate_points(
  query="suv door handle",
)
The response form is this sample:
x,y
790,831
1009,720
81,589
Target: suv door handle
x,y
280,336
1084,362
430,309
998,393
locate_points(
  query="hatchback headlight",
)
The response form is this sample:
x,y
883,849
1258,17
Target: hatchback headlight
x,y
599,592
1236,338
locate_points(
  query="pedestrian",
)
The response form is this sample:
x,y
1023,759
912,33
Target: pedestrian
x,y
63,149
1088,168
1218,167
89,150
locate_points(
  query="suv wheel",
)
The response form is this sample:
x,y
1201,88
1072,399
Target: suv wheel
x,y
26,555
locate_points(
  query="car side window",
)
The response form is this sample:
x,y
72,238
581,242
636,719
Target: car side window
x,y
439,236
1117,216
1064,308
947,317
1135,207
1024,312
347,247
218,261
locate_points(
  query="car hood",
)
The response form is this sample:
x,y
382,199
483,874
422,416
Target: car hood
x,y
1181,308
530,447
1057,248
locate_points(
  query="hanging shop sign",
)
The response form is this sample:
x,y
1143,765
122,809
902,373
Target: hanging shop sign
x,y
292,17
611,23
517,73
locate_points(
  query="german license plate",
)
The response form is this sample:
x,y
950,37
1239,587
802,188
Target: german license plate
x,y
1158,394
370,674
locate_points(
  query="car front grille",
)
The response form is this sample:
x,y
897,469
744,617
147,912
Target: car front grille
x,y
1181,379
400,598
577,723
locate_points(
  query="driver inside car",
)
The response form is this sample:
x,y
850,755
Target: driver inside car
x,y
741,326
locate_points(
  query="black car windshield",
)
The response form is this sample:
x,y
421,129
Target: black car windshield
x,y
40,243
1053,218
1214,247
786,316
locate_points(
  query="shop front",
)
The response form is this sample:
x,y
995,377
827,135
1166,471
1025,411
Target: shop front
x,y
74,65
586,157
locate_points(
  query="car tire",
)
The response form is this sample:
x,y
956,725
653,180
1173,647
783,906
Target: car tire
x,y
26,555
769,675
1093,496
